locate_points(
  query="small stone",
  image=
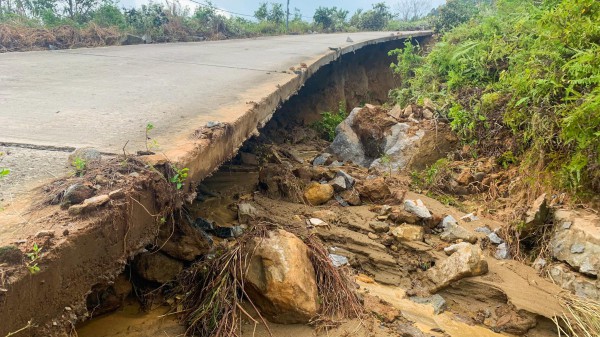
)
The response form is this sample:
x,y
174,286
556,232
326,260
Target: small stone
x,y
485,230
134,174
469,218
455,232
577,248
101,180
539,264
338,260
65,232
495,239
408,233
246,212
338,183
417,208
76,194
336,163
87,154
44,234
428,114
455,247
379,226
448,220
351,197
321,159
437,301
157,267
567,225
213,124
117,194
349,179
68,308
373,236
502,252
316,222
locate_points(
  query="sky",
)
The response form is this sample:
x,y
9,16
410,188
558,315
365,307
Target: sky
x,y
307,7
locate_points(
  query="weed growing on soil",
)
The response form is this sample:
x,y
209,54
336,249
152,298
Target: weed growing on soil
x,y
80,165
330,120
34,256
180,176
3,170
150,142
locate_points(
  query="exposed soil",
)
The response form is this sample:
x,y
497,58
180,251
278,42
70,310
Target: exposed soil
x,y
511,299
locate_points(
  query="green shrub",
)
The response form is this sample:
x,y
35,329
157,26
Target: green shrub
x,y
329,122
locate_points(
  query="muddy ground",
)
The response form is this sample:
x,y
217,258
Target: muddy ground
x,y
391,272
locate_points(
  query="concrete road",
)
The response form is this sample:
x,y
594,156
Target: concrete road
x,y
104,97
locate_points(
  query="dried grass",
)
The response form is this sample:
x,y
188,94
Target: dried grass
x,y
581,317
213,290
15,37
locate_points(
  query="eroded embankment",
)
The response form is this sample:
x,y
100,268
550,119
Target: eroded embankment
x,y
81,250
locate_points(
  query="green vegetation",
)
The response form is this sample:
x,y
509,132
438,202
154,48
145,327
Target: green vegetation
x,y
180,176
518,77
3,170
34,256
151,143
80,166
57,24
330,120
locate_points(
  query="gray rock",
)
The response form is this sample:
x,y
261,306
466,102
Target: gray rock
x,y
349,179
572,281
502,252
579,244
76,194
321,159
88,154
338,260
417,208
485,230
246,212
379,227
347,145
455,247
400,146
538,212
495,239
336,164
338,183
437,301
467,261
469,218
214,124
447,221
577,248
539,264
455,232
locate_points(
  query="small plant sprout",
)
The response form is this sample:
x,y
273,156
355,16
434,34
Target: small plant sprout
x,y
80,165
386,160
3,170
34,256
180,176
150,142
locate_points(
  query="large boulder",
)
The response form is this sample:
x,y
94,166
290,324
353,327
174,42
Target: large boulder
x,y
399,147
346,144
281,280
576,240
466,261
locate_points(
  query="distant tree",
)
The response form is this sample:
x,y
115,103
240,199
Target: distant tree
x,y
411,10
276,14
262,12
376,18
330,18
297,14
79,10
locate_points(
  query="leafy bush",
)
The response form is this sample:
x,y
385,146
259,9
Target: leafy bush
x,y
527,68
329,122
